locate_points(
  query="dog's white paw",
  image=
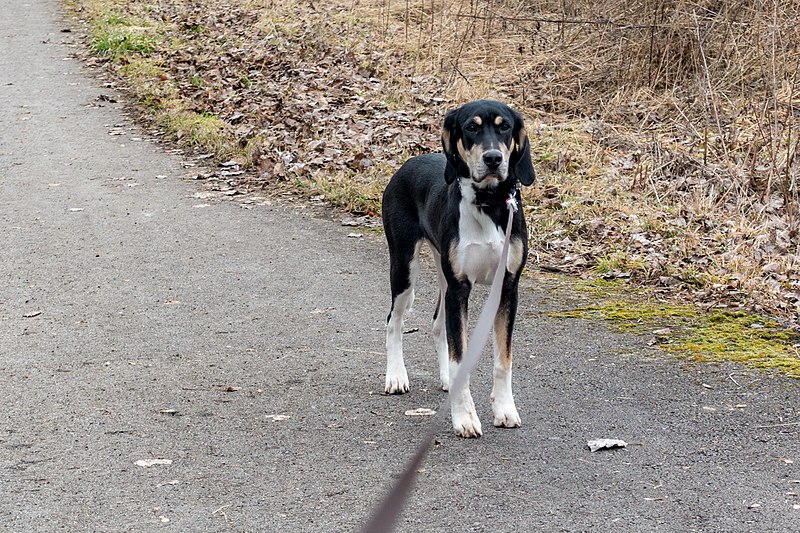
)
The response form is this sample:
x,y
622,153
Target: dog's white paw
x,y
506,415
465,420
397,383
445,382
468,428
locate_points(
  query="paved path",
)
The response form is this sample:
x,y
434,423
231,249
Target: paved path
x,y
136,325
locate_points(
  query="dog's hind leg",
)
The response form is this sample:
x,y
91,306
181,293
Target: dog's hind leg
x,y
503,408
439,331
403,276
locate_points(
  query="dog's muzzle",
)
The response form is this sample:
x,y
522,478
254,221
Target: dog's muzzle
x,y
493,167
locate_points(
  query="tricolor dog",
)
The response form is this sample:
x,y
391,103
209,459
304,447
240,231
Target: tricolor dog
x,y
456,202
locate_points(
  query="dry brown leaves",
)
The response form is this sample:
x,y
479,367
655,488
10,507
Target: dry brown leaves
x,y
302,106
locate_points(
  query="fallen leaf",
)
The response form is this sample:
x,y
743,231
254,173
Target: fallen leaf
x,y
599,444
153,462
420,411
31,314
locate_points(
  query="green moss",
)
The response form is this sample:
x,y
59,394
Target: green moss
x,y
714,336
627,315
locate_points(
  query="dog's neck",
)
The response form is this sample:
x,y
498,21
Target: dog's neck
x,y
492,197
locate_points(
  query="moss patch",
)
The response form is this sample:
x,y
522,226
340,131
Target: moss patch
x,y
627,315
715,336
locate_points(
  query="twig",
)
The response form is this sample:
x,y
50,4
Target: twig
x,y
710,95
730,376
457,71
222,512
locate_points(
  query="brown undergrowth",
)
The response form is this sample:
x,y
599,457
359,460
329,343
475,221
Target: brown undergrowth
x,y
664,131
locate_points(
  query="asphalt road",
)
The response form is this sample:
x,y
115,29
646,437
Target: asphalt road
x,y
140,321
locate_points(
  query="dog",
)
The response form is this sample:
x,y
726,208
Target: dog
x,y
456,201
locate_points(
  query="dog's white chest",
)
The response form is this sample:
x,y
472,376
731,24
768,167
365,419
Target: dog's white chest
x,y
480,244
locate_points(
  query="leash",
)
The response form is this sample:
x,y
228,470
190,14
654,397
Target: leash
x,y
385,515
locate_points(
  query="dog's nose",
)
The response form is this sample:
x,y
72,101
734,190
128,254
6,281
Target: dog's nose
x,y
492,159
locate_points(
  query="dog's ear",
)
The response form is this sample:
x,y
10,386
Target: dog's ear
x,y
521,164
449,140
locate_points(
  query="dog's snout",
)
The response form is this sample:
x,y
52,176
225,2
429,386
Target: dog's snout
x,y
492,159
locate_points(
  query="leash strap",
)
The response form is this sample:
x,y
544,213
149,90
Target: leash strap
x,y
384,517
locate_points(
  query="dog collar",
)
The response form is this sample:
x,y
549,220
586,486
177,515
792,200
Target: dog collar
x,y
510,201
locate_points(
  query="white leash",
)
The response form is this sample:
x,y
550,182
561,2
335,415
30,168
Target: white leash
x,y
384,517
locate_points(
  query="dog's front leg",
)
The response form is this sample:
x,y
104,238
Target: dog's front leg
x,y
505,412
462,408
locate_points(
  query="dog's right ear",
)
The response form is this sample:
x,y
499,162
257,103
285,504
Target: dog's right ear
x,y
449,140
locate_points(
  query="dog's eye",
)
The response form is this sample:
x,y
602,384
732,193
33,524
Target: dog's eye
x,y
471,127
505,126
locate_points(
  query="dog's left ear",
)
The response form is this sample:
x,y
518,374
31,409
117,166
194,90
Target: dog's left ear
x,y
521,164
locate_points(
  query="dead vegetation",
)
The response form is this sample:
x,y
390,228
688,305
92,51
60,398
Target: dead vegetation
x,y
664,131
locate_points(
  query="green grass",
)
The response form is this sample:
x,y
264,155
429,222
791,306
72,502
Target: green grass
x,y
147,80
618,262
199,130
117,37
345,191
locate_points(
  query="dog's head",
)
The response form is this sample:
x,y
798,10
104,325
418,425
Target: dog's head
x,y
486,141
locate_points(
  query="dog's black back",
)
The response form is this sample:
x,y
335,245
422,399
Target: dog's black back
x,y
419,187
